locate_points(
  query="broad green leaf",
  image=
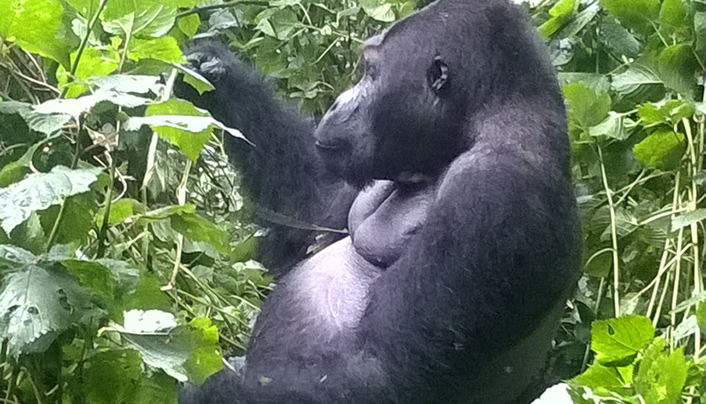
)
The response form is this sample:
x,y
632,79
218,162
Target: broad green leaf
x,y
700,30
93,277
579,22
380,10
48,124
17,169
77,218
189,25
205,358
673,15
77,106
36,25
184,125
119,211
124,83
661,376
197,81
187,353
599,83
618,39
197,228
39,191
112,377
93,62
662,149
167,211
678,68
687,219
36,305
164,49
613,127
15,255
278,23
638,81
636,14
605,379
586,107
560,13
670,113
620,338
147,19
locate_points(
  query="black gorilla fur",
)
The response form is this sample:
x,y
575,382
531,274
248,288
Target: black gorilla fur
x,y
463,232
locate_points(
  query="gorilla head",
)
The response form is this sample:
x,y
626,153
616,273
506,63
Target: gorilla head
x,y
408,113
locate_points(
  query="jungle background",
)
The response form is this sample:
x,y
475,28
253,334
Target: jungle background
x,y
125,244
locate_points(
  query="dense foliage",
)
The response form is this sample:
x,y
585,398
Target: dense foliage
x,y
125,245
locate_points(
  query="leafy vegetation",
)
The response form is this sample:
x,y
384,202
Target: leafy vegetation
x,y
125,244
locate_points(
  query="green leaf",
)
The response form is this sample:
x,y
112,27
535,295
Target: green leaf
x,y
92,276
638,81
189,25
76,106
17,169
164,49
687,219
586,107
678,68
93,62
620,338
184,125
36,25
39,191
197,228
119,211
36,305
11,254
636,14
78,212
661,376
605,380
124,83
278,23
187,353
112,376
662,149
197,81
672,16
560,13
613,127
147,19
618,39
670,113
380,10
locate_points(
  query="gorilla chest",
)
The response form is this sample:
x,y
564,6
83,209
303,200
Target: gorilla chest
x,y
385,217
332,286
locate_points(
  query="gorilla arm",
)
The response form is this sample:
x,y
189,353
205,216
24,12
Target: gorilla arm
x,y
495,257
281,172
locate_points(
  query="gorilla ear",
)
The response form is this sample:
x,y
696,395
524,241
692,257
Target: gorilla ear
x,y
437,75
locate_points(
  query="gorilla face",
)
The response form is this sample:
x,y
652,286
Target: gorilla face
x,y
395,123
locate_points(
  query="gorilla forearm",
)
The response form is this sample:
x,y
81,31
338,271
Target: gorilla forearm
x,y
281,172
280,168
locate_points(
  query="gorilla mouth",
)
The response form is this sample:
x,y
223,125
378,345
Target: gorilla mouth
x,y
330,146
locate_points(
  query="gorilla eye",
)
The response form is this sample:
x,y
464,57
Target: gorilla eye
x,y
438,75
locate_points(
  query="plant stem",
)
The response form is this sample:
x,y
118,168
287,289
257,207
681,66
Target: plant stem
x,y
613,234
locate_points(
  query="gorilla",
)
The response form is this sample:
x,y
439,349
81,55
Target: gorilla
x,y
448,163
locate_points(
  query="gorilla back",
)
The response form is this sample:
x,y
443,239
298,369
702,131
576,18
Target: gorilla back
x,y
463,241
